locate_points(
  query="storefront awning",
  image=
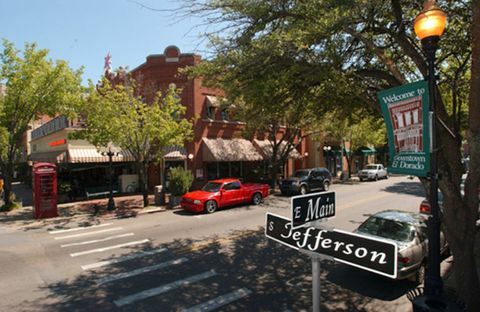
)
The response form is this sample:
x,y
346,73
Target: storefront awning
x,y
50,157
266,149
174,153
367,150
90,155
229,150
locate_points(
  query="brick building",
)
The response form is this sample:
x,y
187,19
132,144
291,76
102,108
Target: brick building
x,y
218,148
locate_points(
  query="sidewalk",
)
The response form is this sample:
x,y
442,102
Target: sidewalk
x,y
87,211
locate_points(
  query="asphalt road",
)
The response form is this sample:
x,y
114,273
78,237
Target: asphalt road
x,y
176,261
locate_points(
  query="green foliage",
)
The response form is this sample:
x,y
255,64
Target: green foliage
x,y
117,114
35,86
180,181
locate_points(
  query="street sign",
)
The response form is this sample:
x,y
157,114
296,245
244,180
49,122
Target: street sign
x,y
406,114
374,255
312,207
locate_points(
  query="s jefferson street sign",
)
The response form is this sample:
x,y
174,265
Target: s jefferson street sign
x,y
312,207
374,255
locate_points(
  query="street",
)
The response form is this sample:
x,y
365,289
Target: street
x,y
178,261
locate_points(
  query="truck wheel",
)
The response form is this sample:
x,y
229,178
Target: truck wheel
x,y
326,186
210,206
376,177
303,190
257,198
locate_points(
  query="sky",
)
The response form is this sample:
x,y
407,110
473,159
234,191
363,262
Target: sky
x,y
82,32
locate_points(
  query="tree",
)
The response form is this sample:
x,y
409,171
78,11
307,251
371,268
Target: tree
x,y
358,130
257,84
35,86
371,45
114,113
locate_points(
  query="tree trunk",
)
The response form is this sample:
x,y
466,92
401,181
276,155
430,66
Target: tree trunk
x,y
143,181
7,184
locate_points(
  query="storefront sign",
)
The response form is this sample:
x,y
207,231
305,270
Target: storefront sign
x,y
405,110
58,142
374,255
312,207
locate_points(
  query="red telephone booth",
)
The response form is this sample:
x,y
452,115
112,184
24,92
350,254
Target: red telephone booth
x,y
45,190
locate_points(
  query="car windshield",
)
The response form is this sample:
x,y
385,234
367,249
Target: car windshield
x,y
212,187
391,229
301,173
371,167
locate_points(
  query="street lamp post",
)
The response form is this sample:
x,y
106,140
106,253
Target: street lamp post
x,y
110,153
429,26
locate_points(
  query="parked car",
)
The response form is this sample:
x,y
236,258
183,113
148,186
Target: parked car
x,y
425,204
409,231
224,192
373,172
306,180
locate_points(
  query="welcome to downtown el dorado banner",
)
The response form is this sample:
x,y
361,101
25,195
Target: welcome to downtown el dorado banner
x,y
406,113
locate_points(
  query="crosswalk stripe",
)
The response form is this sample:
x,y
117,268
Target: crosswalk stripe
x,y
159,266
121,259
81,228
76,254
89,233
220,301
98,240
162,289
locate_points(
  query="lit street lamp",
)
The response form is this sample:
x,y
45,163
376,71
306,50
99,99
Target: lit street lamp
x,y
110,152
429,26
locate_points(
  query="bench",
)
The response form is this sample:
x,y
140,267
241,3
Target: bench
x,y
98,191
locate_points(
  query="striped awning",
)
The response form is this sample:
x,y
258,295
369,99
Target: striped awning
x,y
90,155
175,152
266,149
50,157
229,150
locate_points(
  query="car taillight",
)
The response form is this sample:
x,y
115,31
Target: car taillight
x,y
404,260
424,207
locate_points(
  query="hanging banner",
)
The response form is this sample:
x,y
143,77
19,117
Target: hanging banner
x,y
406,113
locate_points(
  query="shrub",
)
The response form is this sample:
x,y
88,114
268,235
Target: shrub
x,y
180,181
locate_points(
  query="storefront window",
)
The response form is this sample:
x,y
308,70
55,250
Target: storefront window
x,y
212,171
223,170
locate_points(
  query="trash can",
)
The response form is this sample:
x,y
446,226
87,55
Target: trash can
x,y
159,195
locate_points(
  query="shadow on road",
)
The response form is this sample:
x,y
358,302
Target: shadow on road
x,y
413,187
279,278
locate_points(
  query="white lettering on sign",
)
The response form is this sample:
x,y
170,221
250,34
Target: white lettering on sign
x,y
326,243
317,211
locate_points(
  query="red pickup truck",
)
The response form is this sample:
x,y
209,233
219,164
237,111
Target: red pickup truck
x,y
221,193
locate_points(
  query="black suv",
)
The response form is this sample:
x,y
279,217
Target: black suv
x,y
306,180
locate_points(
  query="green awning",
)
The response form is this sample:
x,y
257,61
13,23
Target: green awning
x,y
368,151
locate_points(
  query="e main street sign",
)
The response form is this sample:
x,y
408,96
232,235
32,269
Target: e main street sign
x,y
374,255
312,207
406,114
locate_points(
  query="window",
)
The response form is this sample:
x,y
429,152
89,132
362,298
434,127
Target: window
x,y
232,186
224,114
211,112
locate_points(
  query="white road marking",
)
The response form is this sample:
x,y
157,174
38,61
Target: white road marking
x,y
162,289
220,301
76,254
98,240
159,266
81,228
121,259
89,233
